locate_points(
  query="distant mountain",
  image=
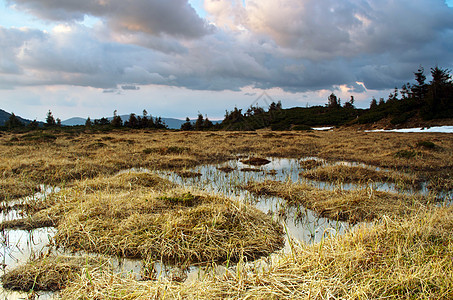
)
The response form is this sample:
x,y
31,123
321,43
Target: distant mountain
x,y
73,121
4,116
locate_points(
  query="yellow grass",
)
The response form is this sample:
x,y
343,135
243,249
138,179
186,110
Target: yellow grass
x,y
407,254
49,273
345,205
360,174
139,215
395,259
77,157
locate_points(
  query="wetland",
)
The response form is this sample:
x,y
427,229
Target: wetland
x,y
145,214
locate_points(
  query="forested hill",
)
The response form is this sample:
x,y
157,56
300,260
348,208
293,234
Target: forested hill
x,y
4,116
418,103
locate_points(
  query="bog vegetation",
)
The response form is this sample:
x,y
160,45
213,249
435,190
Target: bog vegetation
x,y
402,249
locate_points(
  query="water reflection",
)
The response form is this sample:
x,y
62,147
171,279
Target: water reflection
x,y
301,224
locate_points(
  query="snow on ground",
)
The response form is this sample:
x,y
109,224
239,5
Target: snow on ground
x,y
322,128
442,129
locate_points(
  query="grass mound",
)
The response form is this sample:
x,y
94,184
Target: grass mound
x,y
256,161
49,211
188,174
50,273
343,173
344,205
310,164
126,181
395,259
177,227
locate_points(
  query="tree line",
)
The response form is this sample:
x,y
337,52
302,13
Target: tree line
x,y
134,121
428,100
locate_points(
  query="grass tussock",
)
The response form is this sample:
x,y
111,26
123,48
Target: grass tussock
x,y
395,259
125,181
344,205
310,164
149,219
256,161
188,174
48,273
226,169
28,223
358,174
48,211
177,229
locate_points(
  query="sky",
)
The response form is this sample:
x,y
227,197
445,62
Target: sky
x,y
178,58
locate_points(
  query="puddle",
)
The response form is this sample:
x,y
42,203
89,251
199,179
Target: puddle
x,y
301,224
17,247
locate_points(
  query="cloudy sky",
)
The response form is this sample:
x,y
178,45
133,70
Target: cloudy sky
x,y
176,58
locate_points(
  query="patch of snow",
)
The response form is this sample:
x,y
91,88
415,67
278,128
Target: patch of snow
x,y
322,128
441,129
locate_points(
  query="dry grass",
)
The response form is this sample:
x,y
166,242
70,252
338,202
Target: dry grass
x,y
48,211
359,174
344,205
310,164
180,228
49,273
256,161
139,215
188,174
59,158
12,188
125,181
395,259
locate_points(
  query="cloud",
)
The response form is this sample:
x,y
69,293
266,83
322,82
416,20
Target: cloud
x,y
155,17
130,87
327,29
295,45
11,42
